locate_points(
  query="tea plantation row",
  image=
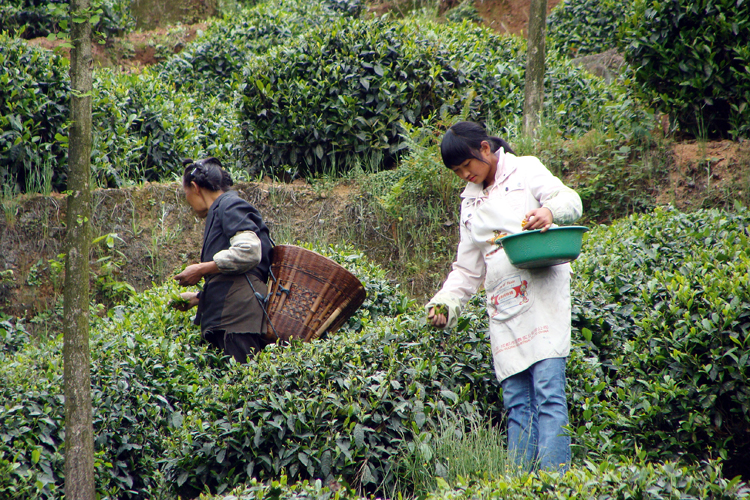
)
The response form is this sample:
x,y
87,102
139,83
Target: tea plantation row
x,y
658,372
287,85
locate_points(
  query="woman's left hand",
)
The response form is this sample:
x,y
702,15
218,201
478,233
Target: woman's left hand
x,y
539,218
190,276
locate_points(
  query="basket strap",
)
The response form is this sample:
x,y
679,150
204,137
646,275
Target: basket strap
x,y
262,301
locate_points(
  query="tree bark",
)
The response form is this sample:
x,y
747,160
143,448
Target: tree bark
x,y
534,91
79,441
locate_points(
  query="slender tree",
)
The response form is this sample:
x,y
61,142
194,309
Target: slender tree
x,y
534,94
79,441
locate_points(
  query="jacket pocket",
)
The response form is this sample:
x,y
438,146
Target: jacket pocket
x,y
509,296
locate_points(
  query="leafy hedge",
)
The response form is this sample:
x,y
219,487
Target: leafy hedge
x,y
344,90
693,58
622,480
212,64
580,27
142,127
41,17
170,415
662,302
34,88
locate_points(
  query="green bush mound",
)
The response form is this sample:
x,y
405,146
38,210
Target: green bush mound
x,y
581,27
172,417
212,64
34,88
36,18
343,91
662,302
693,59
619,480
142,127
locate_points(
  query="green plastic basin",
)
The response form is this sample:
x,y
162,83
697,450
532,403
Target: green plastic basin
x,y
558,245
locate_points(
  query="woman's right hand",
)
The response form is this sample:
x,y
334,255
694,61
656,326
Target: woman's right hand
x,y
192,301
437,318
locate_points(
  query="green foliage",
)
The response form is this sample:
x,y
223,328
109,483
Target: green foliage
x,y
662,311
34,87
168,412
692,57
346,90
341,407
580,27
36,18
144,128
212,64
466,10
594,481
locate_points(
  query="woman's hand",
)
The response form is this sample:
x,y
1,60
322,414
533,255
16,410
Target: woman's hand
x,y
438,318
539,218
187,301
191,297
194,272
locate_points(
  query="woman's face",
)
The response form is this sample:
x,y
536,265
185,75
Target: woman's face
x,y
477,171
195,200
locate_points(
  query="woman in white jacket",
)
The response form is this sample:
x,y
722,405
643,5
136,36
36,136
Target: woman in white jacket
x,y
529,309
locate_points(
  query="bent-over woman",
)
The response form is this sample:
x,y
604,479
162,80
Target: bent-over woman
x,y
235,261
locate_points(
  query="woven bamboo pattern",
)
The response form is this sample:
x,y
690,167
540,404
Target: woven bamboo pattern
x,y
310,295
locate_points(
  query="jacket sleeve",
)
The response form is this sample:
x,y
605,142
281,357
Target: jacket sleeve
x,y
464,279
243,254
562,201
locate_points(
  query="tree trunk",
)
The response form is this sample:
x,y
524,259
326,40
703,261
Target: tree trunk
x,y
79,440
534,96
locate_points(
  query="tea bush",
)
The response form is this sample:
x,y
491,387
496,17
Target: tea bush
x,y
143,128
34,88
157,393
36,18
580,27
692,58
662,303
591,481
344,90
211,65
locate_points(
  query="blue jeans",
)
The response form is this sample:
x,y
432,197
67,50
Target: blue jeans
x,y
537,412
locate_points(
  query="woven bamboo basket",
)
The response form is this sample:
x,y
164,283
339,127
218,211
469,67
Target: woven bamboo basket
x,y
309,294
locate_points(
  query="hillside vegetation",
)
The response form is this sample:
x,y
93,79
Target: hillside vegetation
x,y
352,107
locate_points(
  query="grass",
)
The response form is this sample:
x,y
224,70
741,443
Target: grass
x,y
458,450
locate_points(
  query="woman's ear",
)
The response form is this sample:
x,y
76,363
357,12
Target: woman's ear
x,y
485,149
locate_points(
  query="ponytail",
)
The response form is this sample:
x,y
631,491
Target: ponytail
x,y
207,174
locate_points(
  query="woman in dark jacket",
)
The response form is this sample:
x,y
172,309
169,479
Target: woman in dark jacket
x,y
235,261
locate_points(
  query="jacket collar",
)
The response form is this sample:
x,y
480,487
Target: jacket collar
x,y
503,171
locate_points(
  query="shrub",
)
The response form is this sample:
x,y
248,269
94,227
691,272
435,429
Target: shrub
x,y
345,90
34,88
341,407
662,303
580,27
693,59
592,481
36,18
623,479
157,393
211,65
144,128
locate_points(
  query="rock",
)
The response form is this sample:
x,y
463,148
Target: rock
x,y
607,65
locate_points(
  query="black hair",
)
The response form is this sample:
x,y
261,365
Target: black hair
x,y
207,174
464,140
